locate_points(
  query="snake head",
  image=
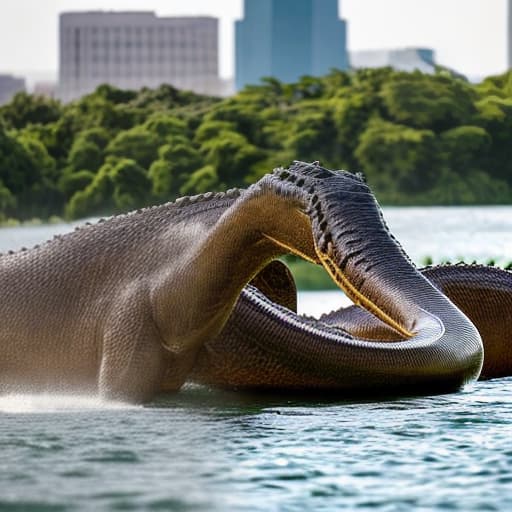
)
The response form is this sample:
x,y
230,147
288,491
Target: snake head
x,y
350,238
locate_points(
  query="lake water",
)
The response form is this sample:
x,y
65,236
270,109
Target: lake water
x,y
203,449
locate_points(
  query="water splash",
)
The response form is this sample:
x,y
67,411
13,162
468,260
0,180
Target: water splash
x,y
51,403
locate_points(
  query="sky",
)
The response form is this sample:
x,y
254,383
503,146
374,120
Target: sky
x,y
467,35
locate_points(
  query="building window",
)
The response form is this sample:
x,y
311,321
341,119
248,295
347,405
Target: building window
x,y
77,53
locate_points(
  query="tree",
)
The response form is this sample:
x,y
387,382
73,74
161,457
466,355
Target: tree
x,y
26,171
398,158
85,155
420,138
138,144
495,116
351,114
72,182
475,187
231,156
313,134
177,160
26,109
465,148
203,180
132,186
96,198
7,201
165,126
242,114
209,129
120,185
436,102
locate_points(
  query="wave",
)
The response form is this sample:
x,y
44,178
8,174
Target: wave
x,y
51,403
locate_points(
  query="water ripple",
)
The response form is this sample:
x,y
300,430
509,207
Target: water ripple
x,y
210,450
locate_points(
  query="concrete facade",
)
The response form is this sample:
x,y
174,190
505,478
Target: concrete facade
x,y
136,49
9,86
287,39
401,59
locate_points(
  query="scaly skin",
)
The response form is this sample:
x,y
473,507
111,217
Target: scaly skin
x,y
122,308
483,294
118,307
239,358
268,346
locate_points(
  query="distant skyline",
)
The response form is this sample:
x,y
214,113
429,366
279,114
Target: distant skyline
x,y
469,36
321,45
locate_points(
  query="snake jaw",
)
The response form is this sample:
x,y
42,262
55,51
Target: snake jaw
x,y
348,238
354,294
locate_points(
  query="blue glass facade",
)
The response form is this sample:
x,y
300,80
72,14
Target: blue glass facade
x,y
287,39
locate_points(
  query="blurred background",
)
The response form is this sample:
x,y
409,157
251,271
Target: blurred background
x,y
110,106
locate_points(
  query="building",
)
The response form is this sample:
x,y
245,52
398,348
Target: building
x,y
136,49
9,86
509,34
287,39
402,59
45,88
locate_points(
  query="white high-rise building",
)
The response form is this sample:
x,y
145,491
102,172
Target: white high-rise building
x,y
136,49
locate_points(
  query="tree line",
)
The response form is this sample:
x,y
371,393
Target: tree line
x,y
418,138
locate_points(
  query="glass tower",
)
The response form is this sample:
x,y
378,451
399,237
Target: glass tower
x,y
287,39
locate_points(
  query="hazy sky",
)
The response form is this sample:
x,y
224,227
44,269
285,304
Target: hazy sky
x,y
468,35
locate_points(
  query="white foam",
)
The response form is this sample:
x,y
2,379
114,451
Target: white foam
x,y
51,403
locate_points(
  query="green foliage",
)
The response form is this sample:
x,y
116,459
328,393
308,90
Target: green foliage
x,y
165,126
119,185
72,182
210,129
96,197
200,181
397,158
25,109
131,185
313,128
7,200
177,161
84,155
309,276
465,148
138,143
420,139
433,102
231,156
475,187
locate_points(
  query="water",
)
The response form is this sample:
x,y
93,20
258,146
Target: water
x,y
474,233
211,450
466,233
